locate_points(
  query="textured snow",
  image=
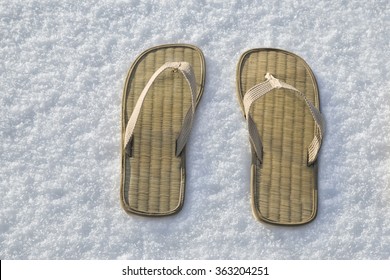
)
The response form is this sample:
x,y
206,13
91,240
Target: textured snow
x,y
62,69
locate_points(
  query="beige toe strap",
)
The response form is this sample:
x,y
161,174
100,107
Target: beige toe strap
x,y
262,89
185,69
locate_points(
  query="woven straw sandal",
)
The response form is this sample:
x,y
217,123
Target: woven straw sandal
x,y
278,94
162,90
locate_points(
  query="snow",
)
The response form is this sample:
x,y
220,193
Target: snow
x,y
62,69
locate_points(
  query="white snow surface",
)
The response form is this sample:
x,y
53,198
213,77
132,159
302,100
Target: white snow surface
x,y
62,69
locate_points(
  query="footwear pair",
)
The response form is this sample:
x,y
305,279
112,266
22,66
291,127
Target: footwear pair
x,y
278,94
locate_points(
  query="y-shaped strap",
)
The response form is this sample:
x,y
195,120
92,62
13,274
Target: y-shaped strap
x,y
184,68
259,91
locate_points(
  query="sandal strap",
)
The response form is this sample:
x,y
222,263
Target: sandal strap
x,y
188,73
262,89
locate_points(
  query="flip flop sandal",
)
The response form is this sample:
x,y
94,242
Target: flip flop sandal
x,y
278,94
161,93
